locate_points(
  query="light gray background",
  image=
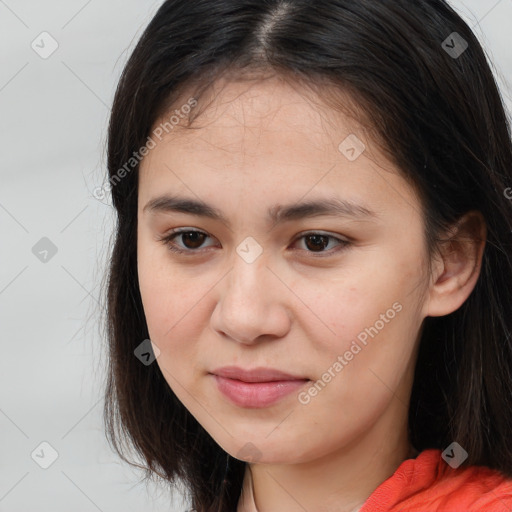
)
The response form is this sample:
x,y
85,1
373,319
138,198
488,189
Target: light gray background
x,y
53,119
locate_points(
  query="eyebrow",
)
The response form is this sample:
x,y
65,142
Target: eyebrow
x,y
276,214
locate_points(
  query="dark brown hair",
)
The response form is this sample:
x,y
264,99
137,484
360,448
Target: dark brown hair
x,y
434,105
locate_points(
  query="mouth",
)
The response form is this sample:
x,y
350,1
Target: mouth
x,y
256,388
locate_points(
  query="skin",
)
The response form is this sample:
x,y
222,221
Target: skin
x,y
265,143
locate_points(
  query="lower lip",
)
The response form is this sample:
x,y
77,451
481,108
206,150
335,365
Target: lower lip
x,y
256,394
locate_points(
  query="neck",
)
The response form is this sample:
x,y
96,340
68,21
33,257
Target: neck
x,y
340,481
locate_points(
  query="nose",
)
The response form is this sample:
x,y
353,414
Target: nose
x,y
252,304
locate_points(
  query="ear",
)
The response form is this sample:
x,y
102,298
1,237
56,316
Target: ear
x,y
457,266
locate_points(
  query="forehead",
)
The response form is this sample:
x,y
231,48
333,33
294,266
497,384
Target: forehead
x,y
268,105
271,137
256,119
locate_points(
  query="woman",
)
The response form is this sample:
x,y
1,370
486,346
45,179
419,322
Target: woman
x,y
309,300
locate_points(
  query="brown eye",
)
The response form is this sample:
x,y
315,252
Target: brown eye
x,y
315,242
190,242
192,239
318,244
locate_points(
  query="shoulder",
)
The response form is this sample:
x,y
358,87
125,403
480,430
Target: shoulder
x,y
429,483
474,488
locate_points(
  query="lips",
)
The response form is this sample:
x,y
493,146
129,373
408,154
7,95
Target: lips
x,y
255,375
260,387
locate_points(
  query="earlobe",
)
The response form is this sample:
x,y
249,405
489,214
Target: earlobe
x,y
458,264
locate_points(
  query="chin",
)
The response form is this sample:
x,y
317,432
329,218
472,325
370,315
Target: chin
x,y
261,450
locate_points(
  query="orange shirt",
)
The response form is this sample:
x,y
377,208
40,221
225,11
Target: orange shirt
x,y
428,484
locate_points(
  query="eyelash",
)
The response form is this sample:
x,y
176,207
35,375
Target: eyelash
x,y
167,240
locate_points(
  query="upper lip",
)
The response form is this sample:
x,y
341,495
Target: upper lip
x,y
254,375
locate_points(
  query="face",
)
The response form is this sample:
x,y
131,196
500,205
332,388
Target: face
x,y
333,298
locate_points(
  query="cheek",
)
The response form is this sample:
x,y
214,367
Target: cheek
x,y
171,313
345,305
162,297
366,312
176,307
174,326
332,312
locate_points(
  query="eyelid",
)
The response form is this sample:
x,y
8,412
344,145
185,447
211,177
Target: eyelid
x,y
323,233
343,243
169,236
